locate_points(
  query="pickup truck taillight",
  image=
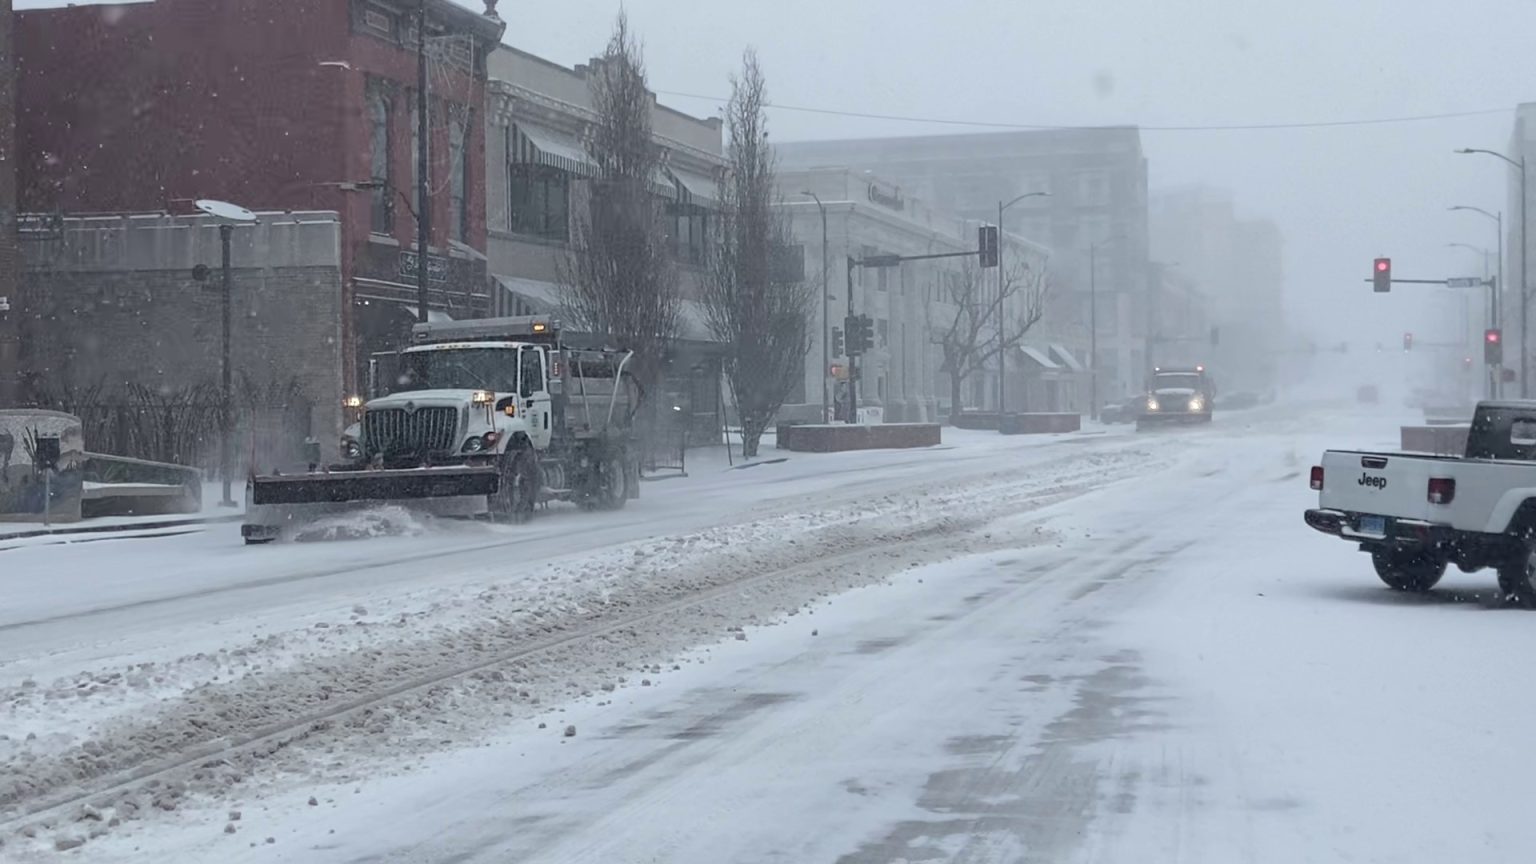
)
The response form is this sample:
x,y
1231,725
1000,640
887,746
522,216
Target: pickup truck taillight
x,y
1317,478
1442,490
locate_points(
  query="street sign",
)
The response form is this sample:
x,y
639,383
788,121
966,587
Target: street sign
x,y
1464,282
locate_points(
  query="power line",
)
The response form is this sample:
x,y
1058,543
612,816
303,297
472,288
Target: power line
x,y
1220,127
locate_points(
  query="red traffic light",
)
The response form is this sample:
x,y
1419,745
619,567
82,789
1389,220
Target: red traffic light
x,y
1492,336
1381,276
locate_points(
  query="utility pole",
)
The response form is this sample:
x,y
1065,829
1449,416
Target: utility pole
x,y
423,205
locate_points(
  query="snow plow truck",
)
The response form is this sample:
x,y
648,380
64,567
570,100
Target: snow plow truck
x,y
487,417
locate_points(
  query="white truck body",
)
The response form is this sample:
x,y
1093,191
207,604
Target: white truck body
x,y
1415,513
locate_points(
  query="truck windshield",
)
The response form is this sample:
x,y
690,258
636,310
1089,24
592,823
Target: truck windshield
x,y
1189,381
456,369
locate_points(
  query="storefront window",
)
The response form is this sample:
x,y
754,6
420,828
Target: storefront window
x,y
538,201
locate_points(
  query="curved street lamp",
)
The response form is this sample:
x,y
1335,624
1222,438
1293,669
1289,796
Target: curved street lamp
x,y
1525,297
1002,355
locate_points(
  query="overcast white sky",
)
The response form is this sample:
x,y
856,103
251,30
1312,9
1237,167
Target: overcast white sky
x,y
1341,195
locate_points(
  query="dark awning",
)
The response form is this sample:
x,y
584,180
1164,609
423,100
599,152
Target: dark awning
x,y
536,146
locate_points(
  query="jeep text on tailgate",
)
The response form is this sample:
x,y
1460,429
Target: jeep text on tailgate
x,y
1416,513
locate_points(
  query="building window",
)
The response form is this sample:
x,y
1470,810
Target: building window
x,y
538,201
689,224
380,119
882,332
458,146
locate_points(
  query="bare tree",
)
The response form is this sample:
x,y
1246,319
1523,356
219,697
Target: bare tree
x,y
619,279
752,303
972,337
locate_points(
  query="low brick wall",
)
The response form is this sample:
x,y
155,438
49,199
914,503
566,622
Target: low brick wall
x,y
837,438
1041,423
974,420
1440,440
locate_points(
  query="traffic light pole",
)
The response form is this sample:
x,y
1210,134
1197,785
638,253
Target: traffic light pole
x,y
855,353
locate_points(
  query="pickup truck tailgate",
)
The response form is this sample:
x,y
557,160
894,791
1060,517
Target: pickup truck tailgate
x,y
1387,484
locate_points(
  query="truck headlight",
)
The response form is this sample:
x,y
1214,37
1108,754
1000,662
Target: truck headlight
x,y
1197,404
481,443
1152,404
350,449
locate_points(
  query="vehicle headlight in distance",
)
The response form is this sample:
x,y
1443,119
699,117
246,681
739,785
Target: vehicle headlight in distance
x,y
352,402
482,397
1152,404
1196,404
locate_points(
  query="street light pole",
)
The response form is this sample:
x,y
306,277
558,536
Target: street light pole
x,y
1002,354
226,454
853,359
423,213
826,323
1496,303
1525,294
1093,331
229,213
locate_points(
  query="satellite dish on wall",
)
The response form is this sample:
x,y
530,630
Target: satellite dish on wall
x,y
224,210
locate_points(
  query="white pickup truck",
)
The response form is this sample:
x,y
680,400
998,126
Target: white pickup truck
x,y
1416,513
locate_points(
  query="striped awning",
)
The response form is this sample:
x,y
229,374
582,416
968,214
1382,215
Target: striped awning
x,y
694,188
527,145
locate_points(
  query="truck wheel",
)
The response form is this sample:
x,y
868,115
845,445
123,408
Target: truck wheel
x,y
518,490
1517,580
615,488
1407,571
609,488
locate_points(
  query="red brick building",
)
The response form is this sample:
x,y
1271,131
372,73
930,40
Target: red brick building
x,y
298,105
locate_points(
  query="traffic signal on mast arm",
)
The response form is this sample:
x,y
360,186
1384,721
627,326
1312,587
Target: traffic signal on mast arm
x,y
1493,347
837,342
1407,341
1381,275
986,245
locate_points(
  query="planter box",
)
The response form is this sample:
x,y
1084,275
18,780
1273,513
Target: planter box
x,y
1439,440
1040,424
836,438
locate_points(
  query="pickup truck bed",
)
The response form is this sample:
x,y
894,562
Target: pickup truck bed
x,y
1416,513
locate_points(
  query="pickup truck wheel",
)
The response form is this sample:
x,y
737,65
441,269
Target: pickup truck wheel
x,y
1407,571
518,490
1517,580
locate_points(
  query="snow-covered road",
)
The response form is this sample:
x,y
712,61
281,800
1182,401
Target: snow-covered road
x,y
1106,648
